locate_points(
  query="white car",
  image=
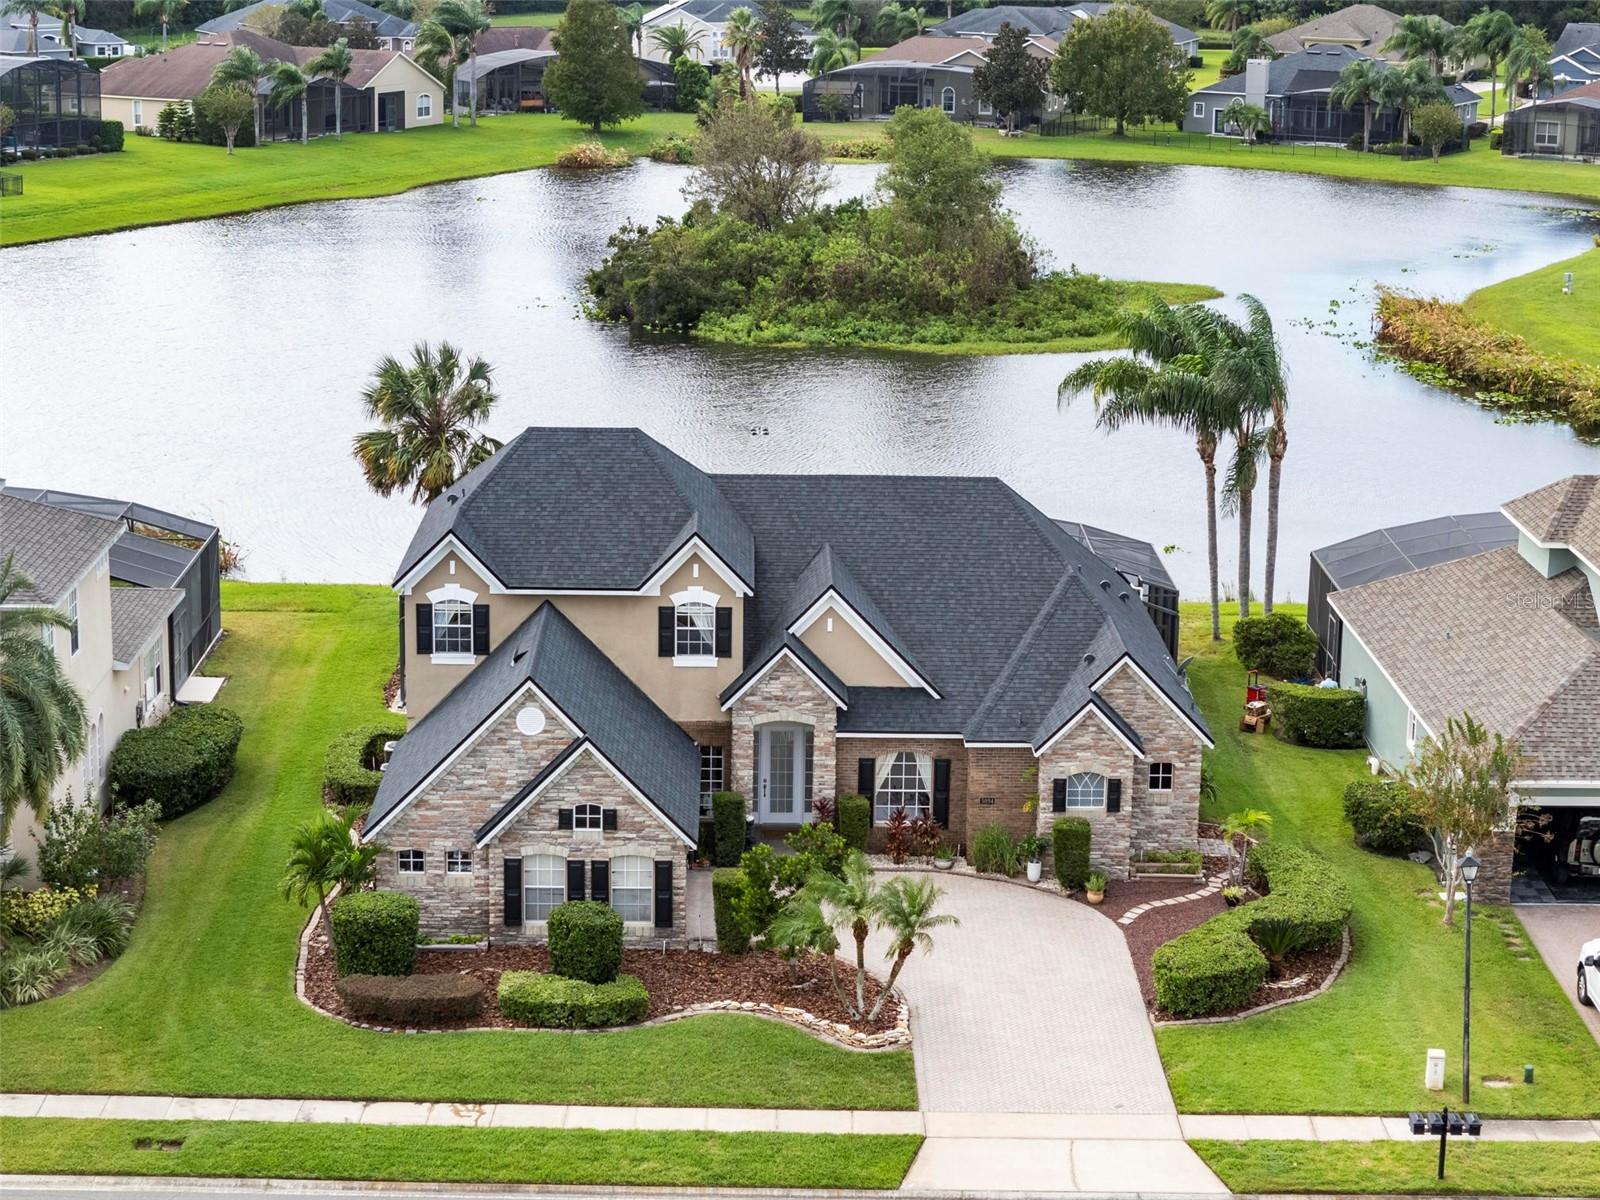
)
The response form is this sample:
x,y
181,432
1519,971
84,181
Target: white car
x,y
1589,972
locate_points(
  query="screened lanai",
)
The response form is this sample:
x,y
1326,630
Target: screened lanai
x,y
56,101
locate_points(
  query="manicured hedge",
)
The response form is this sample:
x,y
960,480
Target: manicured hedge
x,y
1328,718
705,847
111,135
1384,816
585,941
727,813
855,821
551,1002
346,779
375,933
411,999
180,763
727,903
1277,643
1218,966
1069,838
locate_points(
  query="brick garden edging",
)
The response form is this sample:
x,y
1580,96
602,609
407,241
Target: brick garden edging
x,y
835,1032
1338,969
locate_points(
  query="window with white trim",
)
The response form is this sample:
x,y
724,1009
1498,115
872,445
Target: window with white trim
x,y
72,616
694,631
713,775
544,885
452,627
1160,777
94,759
947,100
424,103
150,671
632,880
905,780
586,818
457,862
1086,790
1199,108
1546,135
985,109
411,862
138,113
1411,730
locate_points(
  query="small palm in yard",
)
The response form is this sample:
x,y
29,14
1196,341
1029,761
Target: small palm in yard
x,y
335,63
851,899
323,854
907,911
1246,824
801,927
1248,119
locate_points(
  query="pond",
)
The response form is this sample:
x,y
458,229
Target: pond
x,y
215,368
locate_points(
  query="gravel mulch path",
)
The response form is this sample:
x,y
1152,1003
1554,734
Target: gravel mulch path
x,y
675,979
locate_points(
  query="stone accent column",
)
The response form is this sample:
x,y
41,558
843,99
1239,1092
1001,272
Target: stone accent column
x,y
784,694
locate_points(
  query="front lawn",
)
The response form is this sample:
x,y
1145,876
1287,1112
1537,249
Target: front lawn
x,y
1406,1168
429,1154
1361,1048
1534,307
203,1001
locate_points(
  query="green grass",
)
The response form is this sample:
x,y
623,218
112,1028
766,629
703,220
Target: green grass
x,y
1204,77
203,1001
1533,307
1361,1047
548,20
250,1149
1406,1168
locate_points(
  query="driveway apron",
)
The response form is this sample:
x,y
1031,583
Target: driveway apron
x,y
1559,931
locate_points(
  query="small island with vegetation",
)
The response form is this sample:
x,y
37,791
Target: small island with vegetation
x,y
930,262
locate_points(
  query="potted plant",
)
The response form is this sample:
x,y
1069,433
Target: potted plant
x,y
1232,896
944,856
1032,848
1094,888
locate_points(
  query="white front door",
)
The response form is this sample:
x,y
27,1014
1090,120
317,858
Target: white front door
x,y
783,774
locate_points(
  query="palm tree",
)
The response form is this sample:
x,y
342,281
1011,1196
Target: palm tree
x,y
42,721
1489,35
430,412
906,909
33,10
71,14
165,11
464,20
1403,89
1230,14
335,63
290,83
852,899
801,926
404,9
837,15
314,857
1168,381
1250,119
1249,443
677,41
244,66
439,54
742,37
899,23
632,18
1419,37
1247,823
1359,84
1253,370
829,52
1528,61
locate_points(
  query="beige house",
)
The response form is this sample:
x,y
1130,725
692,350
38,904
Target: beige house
x,y
597,637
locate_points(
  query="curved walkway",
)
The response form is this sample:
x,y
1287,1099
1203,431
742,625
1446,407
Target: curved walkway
x,y
1031,1005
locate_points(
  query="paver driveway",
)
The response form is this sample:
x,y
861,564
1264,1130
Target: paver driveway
x,y
1030,1005
1559,930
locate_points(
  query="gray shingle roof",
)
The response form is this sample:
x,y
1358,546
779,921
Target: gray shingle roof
x,y
136,614
52,546
1315,69
1566,513
1049,21
655,755
1576,35
339,11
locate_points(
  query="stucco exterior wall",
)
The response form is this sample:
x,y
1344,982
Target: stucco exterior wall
x,y
1387,711
848,654
403,75
120,108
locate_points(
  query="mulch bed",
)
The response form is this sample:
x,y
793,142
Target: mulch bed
x,y
675,979
1158,926
1315,965
130,890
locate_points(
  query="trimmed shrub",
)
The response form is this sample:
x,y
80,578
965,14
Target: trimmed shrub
x,y
1279,644
1495,136
855,820
80,848
180,763
411,999
673,148
111,135
1305,889
1384,816
346,777
1328,718
375,933
585,941
995,851
551,1002
705,846
727,812
1069,838
727,904
31,913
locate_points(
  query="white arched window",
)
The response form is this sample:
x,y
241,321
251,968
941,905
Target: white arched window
x,y
947,101
586,818
631,882
424,105
905,780
1086,790
545,885
452,627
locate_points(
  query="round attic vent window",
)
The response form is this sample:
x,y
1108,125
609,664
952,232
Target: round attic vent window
x,y
530,721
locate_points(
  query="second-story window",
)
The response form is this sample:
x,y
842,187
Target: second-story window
x,y
72,615
695,631
586,818
452,627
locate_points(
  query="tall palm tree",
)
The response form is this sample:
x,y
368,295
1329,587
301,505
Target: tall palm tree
x,y
242,65
430,412
899,23
1528,61
632,18
852,899
439,55
1230,14
42,721
1253,370
837,15
1404,89
1489,35
290,83
33,10
464,20
165,11
743,37
906,909
677,41
1426,38
1168,381
1358,83
829,52
335,63
71,14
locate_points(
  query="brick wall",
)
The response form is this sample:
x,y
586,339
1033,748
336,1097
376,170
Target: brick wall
x,y
1494,875
1007,775
783,694
852,750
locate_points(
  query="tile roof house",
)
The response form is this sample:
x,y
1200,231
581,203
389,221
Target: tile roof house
x,y
1510,635
396,33
598,636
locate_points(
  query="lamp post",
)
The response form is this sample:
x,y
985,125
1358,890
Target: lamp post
x,y
1469,872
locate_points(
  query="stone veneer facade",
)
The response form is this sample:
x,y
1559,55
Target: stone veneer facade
x,y
783,694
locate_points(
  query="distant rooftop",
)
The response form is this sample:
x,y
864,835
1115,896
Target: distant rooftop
x,y
1384,552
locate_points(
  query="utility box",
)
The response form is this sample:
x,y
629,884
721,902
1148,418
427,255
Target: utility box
x,y
1433,1080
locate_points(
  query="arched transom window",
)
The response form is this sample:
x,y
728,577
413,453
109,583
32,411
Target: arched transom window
x,y
1086,790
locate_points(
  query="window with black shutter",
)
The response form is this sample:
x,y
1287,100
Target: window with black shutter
x,y
608,819
724,643
664,630
663,894
563,818
600,880
865,777
513,891
480,629
575,879
1058,795
1113,795
941,791
424,629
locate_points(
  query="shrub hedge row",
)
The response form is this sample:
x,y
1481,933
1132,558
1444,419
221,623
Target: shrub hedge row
x,y
1218,965
855,820
375,933
585,941
411,999
727,904
1328,718
551,1002
1383,814
346,778
1277,643
180,763
727,813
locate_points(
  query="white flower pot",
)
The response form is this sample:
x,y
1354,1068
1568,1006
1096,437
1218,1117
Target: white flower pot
x,y
1035,870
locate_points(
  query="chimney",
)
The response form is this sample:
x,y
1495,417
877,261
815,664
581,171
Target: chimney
x,y
1255,81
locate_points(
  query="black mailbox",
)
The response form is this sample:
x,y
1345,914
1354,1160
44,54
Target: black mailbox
x,y
1419,1123
1474,1125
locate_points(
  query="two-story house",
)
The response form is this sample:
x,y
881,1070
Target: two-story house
x,y
597,637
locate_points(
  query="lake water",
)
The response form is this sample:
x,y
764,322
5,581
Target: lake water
x,y
215,368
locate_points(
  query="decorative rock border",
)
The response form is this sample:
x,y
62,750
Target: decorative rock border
x,y
1338,969
836,1032
1133,914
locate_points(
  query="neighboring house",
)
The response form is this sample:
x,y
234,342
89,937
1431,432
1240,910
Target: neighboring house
x,y
1567,126
1295,91
1050,22
386,91
395,33
1362,27
708,18
54,101
597,637
90,43
1510,635
1575,58
512,79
